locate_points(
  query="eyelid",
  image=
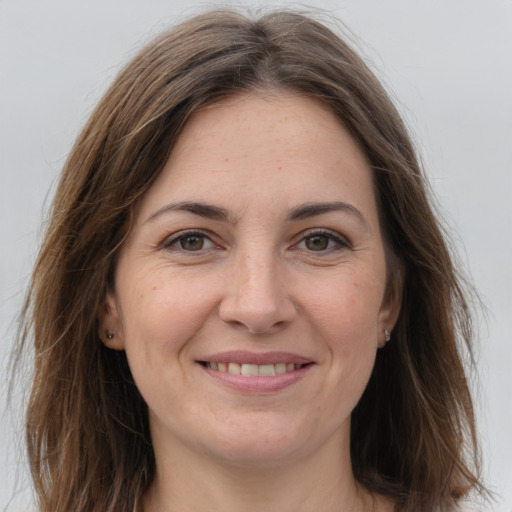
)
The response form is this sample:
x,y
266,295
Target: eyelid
x,y
340,240
174,238
170,240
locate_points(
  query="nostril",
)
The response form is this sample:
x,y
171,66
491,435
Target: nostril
x,y
265,330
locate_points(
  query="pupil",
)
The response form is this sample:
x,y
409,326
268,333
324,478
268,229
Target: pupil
x,y
192,243
317,243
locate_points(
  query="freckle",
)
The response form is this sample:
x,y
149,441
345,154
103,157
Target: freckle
x,y
154,288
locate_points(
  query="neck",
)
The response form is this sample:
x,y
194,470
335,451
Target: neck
x,y
322,481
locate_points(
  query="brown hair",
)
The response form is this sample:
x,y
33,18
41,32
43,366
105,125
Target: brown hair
x,y
413,434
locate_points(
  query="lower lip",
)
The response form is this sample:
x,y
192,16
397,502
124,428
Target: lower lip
x,y
258,384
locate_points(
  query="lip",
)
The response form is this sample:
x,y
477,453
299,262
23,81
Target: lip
x,y
259,384
243,357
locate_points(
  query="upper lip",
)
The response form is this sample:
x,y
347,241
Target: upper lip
x,y
242,357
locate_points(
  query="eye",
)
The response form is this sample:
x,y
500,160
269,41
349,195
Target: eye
x,y
190,241
317,242
322,241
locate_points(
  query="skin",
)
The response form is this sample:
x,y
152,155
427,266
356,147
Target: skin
x,y
259,280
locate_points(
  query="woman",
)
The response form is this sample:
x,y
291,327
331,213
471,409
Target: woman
x,y
244,300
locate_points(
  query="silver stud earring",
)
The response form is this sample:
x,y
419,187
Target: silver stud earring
x,y
387,335
110,335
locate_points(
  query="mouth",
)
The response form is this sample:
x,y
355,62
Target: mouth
x,y
253,370
256,373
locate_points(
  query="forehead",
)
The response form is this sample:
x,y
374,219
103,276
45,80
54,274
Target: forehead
x,y
275,147
266,121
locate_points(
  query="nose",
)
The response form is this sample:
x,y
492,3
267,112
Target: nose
x,y
257,297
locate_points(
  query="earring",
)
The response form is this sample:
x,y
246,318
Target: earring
x,y
387,335
110,335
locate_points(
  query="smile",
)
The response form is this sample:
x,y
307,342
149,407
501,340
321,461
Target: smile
x,y
260,373
253,370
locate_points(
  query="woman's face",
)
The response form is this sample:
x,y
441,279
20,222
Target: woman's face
x,y
249,294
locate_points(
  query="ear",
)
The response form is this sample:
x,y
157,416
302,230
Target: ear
x,y
109,322
390,309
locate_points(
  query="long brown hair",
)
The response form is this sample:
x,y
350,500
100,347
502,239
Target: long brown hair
x,y
413,433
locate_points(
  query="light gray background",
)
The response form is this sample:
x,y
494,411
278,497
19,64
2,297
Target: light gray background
x,y
448,63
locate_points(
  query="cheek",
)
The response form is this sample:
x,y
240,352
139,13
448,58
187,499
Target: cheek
x,y
348,308
150,292
159,320
160,314
346,316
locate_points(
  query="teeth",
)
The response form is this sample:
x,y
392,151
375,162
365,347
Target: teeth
x,y
267,370
251,370
280,368
234,368
254,370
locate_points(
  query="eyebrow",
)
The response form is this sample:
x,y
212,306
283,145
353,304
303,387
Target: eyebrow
x,y
307,210
301,212
205,210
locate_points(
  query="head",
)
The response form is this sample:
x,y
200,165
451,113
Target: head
x,y
409,427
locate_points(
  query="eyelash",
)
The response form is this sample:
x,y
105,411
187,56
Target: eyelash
x,y
168,243
340,243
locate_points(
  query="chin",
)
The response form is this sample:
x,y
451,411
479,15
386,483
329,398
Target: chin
x,y
265,441
258,453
